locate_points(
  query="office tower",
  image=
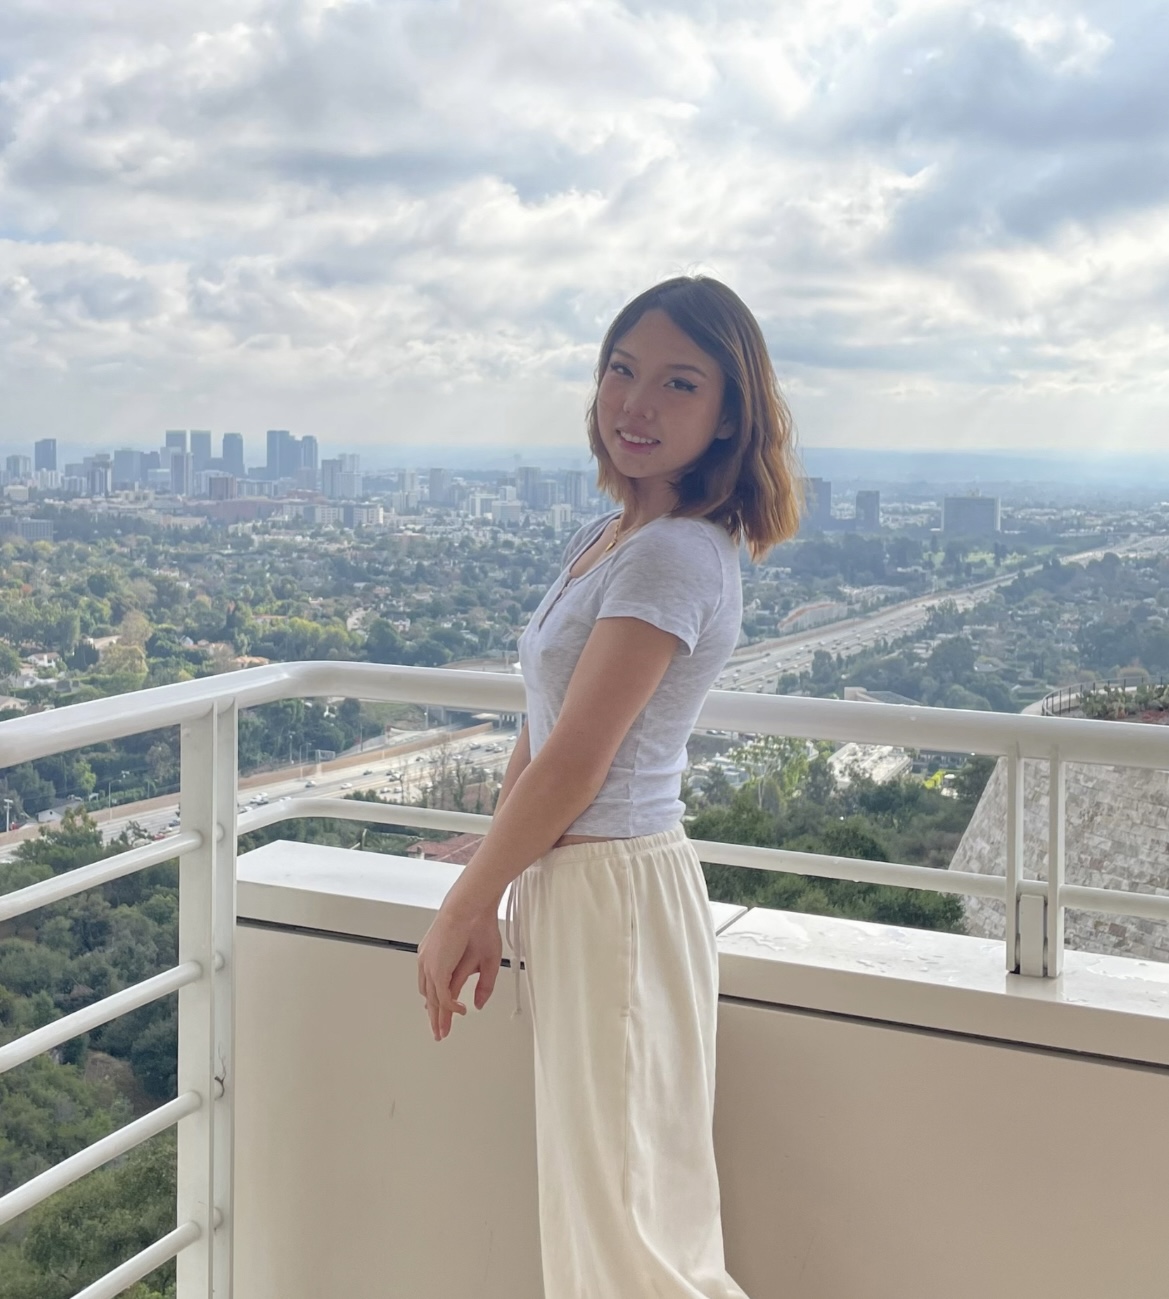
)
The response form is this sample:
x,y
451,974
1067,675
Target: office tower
x,y
527,478
868,511
182,473
547,493
221,487
440,486
200,448
971,516
576,488
176,439
151,460
307,454
127,468
818,502
349,482
330,478
45,453
280,455
19,468
233,454
99,476
341,478
408,480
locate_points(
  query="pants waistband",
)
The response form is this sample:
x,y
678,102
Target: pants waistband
x,y
572,854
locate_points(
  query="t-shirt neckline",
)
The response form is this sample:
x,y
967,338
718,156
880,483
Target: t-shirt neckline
x,y
604,521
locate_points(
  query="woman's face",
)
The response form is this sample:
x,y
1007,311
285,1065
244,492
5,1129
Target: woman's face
x,y
660,401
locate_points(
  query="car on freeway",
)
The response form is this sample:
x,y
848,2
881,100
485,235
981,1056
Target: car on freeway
x,y
347,784
310,784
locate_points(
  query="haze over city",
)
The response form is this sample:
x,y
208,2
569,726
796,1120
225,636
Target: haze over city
x,y
401,225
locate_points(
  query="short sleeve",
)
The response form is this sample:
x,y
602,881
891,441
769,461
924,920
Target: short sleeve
x,y
670,576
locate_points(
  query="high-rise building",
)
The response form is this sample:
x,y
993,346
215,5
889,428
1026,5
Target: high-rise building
x,y
127,468
576,488
971,516
310,454
201,448
19,468
547,493
233,454
45,454
330,478
221,487
819,502
868,511
99,476
341,478
280,455
440,486
176,438
182,473
527,478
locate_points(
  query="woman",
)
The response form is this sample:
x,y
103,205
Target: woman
x,y
608,908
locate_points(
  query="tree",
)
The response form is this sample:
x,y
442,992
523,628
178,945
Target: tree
x,y
383,644
973,777
9,660
773,761
91,1227
952,660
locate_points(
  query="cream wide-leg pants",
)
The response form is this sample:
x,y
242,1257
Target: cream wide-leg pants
x,y
622,975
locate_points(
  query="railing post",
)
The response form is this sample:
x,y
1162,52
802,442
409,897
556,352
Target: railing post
x,y
206,1008
1056,863
1014,855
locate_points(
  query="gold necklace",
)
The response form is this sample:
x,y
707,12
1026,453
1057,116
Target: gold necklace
x,y
616,536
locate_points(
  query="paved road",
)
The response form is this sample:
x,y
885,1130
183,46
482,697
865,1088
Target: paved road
x,y
758,667
408,773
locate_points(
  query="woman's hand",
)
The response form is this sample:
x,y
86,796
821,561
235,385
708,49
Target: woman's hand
x,y
453,950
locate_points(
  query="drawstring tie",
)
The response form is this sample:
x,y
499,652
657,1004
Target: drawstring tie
x,y
513,934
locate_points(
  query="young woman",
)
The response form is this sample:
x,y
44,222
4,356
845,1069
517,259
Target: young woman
x,y
608,908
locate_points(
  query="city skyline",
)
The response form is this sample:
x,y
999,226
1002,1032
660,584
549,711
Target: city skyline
x,y
407,222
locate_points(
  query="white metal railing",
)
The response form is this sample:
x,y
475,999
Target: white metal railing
x,y
207,713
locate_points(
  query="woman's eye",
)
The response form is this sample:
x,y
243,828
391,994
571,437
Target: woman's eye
x,y
684,385
617,368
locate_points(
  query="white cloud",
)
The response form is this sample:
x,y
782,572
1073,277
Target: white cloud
x,y
276,212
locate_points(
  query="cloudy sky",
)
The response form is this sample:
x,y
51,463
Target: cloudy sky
x,y
407,222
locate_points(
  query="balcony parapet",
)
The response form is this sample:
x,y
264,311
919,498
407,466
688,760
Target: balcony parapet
x,y
875,1085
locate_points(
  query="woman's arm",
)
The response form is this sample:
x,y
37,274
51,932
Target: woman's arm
x,y
619,669
521,755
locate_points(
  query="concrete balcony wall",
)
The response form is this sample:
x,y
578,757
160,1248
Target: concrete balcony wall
x,y
897,1117
1117,838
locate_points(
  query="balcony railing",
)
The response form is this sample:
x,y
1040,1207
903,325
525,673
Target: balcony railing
x,y
207,713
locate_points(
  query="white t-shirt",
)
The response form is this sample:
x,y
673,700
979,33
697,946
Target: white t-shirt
x,y
678,574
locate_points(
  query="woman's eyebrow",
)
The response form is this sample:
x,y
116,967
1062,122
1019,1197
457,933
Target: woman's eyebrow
x,y
694,369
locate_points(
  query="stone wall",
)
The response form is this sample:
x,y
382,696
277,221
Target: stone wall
x,y
1117,836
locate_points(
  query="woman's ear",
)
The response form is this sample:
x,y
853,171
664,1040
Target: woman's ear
x,y
726,429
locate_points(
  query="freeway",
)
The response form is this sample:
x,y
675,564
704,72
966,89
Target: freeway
x,y
399,779
758,667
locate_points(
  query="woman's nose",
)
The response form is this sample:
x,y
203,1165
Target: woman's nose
x,y
637,402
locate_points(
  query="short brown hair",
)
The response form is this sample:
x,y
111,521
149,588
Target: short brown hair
x,y
750,482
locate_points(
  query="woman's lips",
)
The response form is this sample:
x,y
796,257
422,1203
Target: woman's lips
x,y
637,448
